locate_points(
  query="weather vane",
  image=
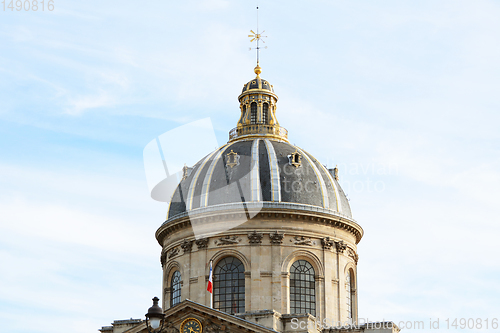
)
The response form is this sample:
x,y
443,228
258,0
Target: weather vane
x,y
257,37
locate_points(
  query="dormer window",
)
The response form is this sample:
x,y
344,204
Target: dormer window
x,y
233,159
295,159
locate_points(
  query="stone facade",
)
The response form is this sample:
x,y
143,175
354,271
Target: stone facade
x,y
268,245
279,217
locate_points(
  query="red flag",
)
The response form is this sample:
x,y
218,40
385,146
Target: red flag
x,y
210,279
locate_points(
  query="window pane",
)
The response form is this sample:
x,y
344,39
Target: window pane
x,y
175,285
253,113
302,288
348,291
231,288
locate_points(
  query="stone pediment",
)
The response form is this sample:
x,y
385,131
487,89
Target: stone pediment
x,y
213,321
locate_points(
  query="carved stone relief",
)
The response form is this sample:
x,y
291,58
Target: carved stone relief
x,y
302,240
175,251
210,327
228,240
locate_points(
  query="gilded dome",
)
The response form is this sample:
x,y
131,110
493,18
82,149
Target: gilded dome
x,y
257,84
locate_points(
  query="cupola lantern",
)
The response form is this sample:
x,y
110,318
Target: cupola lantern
x,y
258,111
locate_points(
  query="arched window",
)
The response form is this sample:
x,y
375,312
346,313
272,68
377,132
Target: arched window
x,y
244,113
265,113
229,286
253,113
349,284
302,288
175,285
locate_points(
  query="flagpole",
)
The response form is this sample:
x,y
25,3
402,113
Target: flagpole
x,y
210,286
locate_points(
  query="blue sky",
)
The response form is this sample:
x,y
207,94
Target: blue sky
x,y
402,95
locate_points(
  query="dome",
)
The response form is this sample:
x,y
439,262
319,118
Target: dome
x,y
274,172
258,167
257,84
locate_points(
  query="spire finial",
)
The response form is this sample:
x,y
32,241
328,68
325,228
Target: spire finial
x,y
257,36
257,69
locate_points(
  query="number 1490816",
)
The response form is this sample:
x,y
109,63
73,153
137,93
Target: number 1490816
x,y
27,5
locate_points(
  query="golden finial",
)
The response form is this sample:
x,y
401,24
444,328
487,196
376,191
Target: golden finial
x,y
257,69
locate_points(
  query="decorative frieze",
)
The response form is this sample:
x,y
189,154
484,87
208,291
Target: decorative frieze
x,y
228,240
185,221
255,238
327,243
202,243
276,238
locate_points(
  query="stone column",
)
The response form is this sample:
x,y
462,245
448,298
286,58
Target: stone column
x,y
276,254
255,240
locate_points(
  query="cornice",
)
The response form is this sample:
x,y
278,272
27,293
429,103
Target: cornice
x,y
184,220
256,92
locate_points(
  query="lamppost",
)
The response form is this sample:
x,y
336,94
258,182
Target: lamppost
x,y
154,317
